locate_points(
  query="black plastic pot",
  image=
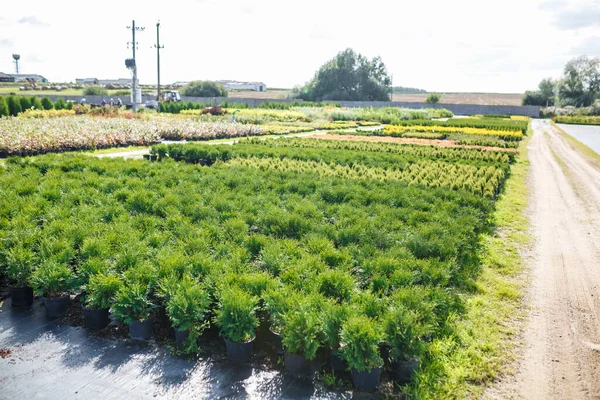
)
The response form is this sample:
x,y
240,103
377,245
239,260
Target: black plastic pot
x,y
141,330
56,306
276,341
95,319
366,380
403,371
239,352
336,363
181,336
296,364
21,296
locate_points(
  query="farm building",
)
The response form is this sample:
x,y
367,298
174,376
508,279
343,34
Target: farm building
x,y
86,81
235,85
6,78
29,78
105,82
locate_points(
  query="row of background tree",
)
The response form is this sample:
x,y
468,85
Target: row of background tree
x,y
579,86
348,76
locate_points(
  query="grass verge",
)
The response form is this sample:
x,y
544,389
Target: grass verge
x,y
588,153
483,341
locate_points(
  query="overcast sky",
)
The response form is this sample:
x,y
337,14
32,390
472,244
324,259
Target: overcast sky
x,y
462,45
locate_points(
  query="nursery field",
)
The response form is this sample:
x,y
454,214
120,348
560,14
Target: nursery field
x,y
38,131
353,256
356,251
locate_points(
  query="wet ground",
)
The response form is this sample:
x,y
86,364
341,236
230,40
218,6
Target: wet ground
x,y
47,359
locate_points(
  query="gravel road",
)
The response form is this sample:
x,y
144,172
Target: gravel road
x,y
560,352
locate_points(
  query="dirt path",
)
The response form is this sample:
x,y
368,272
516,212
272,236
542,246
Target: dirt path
x,y
560,356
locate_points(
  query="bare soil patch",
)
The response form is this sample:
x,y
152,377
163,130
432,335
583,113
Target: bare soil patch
x,y
421,142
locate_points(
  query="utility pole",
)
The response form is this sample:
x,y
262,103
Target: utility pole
x,y
133,46
158,47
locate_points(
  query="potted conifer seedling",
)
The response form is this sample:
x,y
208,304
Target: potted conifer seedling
x,y
53,281
133,307
187,307
101,292
19,266
334,316
404,330
276,303
236,318
360,339
301,337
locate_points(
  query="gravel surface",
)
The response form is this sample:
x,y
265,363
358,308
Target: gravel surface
x,y
560,353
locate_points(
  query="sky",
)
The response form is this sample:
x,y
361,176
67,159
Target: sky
x,y
447,46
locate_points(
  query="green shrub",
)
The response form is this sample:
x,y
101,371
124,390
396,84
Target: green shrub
x,y
95,91
303,331
20,263
101,291
36,103
404,332
334,316
4,111
60,104
360,338
277,302
69,105
336,284
236,315
14,106
132,303
433,98
188,305
47,103
25,102
52,280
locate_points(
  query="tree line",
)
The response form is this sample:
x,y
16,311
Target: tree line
x,y
579,86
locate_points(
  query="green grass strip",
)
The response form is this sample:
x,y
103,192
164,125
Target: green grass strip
x,y
482,344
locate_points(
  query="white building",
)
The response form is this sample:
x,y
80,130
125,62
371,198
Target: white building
x,y
235,85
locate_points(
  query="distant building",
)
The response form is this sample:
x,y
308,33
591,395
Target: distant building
x,y
235,85
120,81
6,78
86,81
28,78
105,82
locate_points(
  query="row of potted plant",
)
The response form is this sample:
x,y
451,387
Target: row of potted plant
x,y
300,323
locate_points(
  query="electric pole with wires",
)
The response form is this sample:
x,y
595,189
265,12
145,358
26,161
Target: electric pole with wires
x,y
158,47
131,64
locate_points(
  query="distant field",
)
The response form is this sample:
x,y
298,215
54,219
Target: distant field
x,y
506,99
497,99
271,94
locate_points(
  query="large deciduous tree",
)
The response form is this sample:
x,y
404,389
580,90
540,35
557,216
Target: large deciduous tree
x,y
204,89
580,82
544,96
348,76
